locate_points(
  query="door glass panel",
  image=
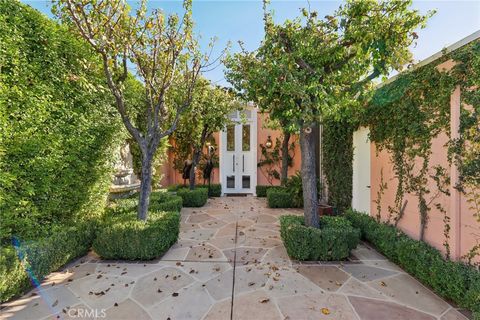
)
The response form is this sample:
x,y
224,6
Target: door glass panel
x,y
246,182
231,182
231,137
246,137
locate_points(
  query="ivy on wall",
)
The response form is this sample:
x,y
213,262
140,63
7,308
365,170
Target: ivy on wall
x,y
404,117
337,141
271,159
57,126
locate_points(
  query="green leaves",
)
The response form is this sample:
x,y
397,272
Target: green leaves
x,y
208,113
57,129
333,241
451,280
309,68
193,198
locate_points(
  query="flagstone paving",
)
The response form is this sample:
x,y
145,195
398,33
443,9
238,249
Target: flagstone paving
x,y
230,263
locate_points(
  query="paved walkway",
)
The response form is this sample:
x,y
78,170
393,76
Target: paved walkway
x,y
230,264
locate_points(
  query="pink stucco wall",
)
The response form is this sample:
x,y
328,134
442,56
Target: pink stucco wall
x,y
171,176
465,230
262,135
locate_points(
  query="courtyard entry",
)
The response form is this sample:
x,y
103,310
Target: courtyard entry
x,y
238,153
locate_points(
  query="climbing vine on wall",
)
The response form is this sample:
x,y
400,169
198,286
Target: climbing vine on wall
x,y
405,115
271,159
337,141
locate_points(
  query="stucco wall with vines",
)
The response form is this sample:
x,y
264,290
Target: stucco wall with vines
x,y
430,173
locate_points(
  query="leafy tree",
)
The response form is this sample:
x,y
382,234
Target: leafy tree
x,y
208,113
312,67
164,53
246,72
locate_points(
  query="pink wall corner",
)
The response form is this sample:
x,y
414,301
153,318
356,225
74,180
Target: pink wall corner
x,y
262,135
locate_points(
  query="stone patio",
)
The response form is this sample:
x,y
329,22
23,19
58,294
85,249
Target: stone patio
x,y
229,263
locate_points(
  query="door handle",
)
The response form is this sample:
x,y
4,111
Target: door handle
x,y
233,163
243,163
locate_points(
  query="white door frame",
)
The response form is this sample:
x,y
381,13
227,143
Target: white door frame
x,y
361,197
227,166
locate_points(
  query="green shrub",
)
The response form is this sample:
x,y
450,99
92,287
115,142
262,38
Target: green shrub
x,y
122,236
174,187
332,241
452,280
162,201
295,189
159,201
215,189
42,257
280,197
58,127
261,191
193,198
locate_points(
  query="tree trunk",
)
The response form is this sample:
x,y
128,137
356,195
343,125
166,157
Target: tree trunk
x,y
145,186
285,156
309,178
196,157
197,152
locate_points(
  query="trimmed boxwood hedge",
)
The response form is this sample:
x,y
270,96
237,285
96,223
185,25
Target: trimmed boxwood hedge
x,y
162,201
193,198
159,201
332,241
452,280
280,197
215,188
122,236
42,257
261,191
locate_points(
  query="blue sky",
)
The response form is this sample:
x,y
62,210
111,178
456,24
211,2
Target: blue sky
x,y
233,20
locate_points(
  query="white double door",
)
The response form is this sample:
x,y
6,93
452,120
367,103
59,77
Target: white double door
x,y
238,150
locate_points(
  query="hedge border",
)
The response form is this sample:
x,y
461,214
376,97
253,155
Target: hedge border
x,y
333,241
127,238
280,197
193,198
215,188
261,190
452,280
42,257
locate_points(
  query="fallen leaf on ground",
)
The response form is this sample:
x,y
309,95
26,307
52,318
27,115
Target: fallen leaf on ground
x,y
264,300
325,311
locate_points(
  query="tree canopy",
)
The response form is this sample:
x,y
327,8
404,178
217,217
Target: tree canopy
x,y
164,52
311,67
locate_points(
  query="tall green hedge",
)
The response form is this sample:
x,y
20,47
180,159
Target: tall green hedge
x,y
57,125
